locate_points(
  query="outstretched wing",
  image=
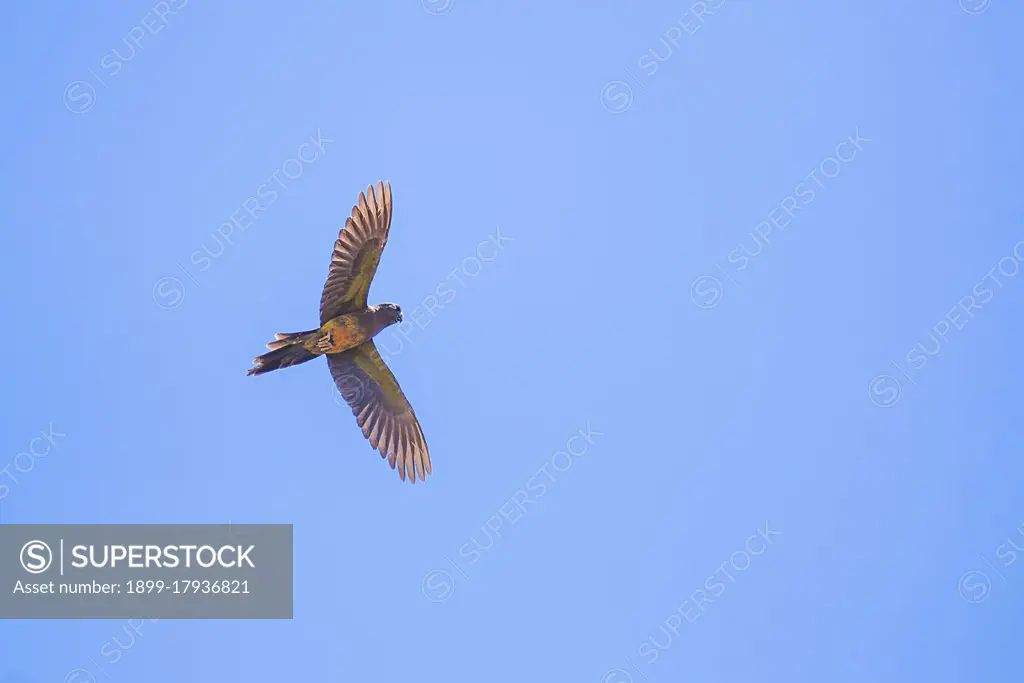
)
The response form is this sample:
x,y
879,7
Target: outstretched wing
x,y
381,409
357,253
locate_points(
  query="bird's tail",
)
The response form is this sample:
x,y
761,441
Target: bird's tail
x,y
287,349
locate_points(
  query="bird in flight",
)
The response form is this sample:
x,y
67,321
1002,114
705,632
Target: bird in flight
x,y
347,328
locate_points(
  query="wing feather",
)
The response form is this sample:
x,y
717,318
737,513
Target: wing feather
x,y
357,253
381,409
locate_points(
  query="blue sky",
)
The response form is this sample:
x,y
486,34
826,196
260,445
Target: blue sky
x,y
764,256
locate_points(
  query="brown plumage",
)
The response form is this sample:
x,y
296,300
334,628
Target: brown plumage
x,y
345,336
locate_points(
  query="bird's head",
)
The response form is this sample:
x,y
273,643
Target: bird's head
x,y
392,313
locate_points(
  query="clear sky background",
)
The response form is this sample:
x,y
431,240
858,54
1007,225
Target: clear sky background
x,y
733,373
